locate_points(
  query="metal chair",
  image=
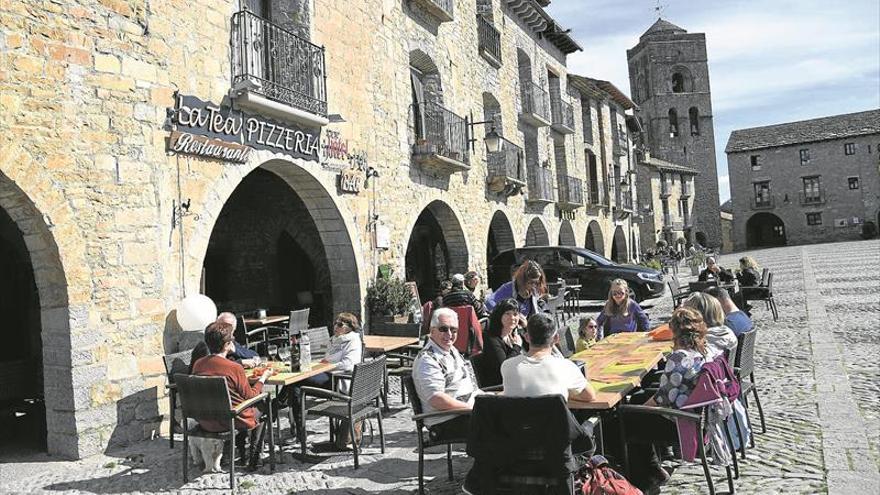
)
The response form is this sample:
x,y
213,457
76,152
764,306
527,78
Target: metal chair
x,y
207,398
299,320
425,440
678,292
361,403
470,333
177,363
319,341
744,367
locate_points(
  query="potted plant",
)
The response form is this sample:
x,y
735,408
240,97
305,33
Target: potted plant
x,y
696,261
389,299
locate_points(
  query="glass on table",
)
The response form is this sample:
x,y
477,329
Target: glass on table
x,y
284,354
272,350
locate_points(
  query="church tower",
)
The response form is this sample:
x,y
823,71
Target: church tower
x,y
669,81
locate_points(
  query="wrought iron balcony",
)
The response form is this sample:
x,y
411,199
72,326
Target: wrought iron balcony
x,y
535,105
441,9
507,174
813,198
619,145
763,203
441,138
593,193
275,71
626,202
571,192
490,41
563,116
540,185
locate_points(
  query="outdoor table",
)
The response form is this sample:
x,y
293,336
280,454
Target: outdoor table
x,y
268,320
382,343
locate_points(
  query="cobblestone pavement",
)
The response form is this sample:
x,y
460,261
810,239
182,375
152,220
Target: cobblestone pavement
x,y
816,368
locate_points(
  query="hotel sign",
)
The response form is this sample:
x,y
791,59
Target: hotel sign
x,y
220,132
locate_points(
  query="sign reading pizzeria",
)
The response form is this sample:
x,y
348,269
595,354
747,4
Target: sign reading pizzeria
x,y
217,131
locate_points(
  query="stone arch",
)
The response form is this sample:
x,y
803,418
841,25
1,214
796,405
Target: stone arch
x,y
618,246
595,241
694,118
39,211
764,229
537,235
500,236
566,234
436,248
336,236
681,81
701,238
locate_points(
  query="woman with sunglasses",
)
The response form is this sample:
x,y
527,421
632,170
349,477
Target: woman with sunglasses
x,y
586,334
621,314
502,341
528,287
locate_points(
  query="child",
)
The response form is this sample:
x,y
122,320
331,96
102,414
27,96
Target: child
x,y
586,334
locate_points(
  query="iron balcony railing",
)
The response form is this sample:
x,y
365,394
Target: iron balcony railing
x,y
563,114
489,39
571,191
442,9
763,202
593,196
813,197
626,202
278,64
508,163
541,184
440,132
535,100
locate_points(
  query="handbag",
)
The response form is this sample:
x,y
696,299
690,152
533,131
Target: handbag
x,y
598,478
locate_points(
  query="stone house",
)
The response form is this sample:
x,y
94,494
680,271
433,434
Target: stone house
x,y
805,182
270,154
667,208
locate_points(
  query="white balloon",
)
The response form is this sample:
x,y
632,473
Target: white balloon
x,y
196,312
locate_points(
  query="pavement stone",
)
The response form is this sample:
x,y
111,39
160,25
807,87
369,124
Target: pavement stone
x,y
817,372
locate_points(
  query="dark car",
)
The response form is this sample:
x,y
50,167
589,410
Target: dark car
x,y
594,272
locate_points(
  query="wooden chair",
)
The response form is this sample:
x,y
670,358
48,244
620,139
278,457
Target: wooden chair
x,y
207,398
362,402
425,439
177,363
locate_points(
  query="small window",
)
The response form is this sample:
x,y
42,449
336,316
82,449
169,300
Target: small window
x,y
755,160
694,117
805,156
814,218
853,183
812,189
762,194
673,123
849,148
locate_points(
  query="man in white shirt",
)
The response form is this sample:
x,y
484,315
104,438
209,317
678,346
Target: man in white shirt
x,y
443,379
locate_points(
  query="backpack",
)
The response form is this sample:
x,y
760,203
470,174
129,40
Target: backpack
x,y
599,478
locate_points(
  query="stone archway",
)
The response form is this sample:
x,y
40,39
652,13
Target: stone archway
x,y
566,234
436,248
595,242
537,235
618,246
500,236
765,229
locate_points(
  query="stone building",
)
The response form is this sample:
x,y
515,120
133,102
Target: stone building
x,y
270,154
669,77
666,191
804,182
726,227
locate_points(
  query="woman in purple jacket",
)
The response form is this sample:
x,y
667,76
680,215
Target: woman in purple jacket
x,y
621,314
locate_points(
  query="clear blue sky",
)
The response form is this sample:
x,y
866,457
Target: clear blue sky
x,y
770,61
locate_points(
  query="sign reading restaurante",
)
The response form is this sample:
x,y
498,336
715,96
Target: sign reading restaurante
x,y
213,131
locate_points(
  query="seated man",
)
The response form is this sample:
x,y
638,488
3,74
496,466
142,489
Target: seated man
x,y
219,340
461,296
734,318
241,354
541,373
713,271
443,379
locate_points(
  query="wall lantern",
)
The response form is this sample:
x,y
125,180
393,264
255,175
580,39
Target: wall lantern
x,y
492,139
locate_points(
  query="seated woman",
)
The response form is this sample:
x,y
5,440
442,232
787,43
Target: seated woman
x,y
720,340
621,314
715,272
346,350
528,287
677,382
501,342
749,277
586,334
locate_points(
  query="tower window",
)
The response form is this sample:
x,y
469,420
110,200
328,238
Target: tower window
x,y
677,83
673,123
755,161
805,156
681,81
853,183
694,116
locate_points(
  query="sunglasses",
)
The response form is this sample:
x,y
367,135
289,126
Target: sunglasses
x,y
618,293
591,325
340,324
447,329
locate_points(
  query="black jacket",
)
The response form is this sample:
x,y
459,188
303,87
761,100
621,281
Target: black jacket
x,y
495,352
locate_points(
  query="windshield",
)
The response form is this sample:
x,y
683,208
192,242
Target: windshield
x,y
591,258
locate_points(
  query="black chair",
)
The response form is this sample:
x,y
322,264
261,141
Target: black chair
x,y
207,398
361,403
678,292
523,442
176,363
425,439
744,367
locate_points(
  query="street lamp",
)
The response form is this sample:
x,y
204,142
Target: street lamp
x,y
492,138
624,185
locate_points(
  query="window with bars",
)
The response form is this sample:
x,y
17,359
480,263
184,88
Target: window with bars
x,y
755,161
805,156
812,189
853,183
814,218
762,193
849,148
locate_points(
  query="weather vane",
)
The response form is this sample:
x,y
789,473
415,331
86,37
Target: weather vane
x,y
659,9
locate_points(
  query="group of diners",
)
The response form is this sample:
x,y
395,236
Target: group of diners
x,y
220,355
747,276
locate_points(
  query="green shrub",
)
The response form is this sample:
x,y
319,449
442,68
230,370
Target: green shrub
x,y
652,263
389,296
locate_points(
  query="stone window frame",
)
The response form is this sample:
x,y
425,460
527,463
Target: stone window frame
x,y
756,162
812,187
814,218
849,149
673,123
694,118
853,183
763,196
804,154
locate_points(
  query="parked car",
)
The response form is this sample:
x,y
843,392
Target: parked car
x,y
592,271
